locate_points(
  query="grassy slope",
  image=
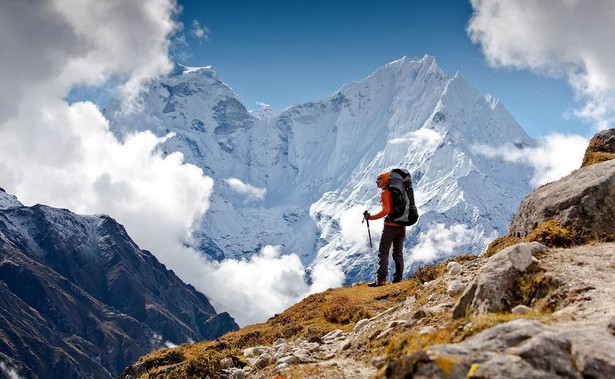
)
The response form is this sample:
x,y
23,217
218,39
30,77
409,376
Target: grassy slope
x,y
310,319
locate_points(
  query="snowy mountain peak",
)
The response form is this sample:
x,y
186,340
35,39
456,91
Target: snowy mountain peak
x,y
180,69
266,113
409,68
301,178
8,201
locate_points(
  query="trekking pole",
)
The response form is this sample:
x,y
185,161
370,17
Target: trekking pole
x,y
368,232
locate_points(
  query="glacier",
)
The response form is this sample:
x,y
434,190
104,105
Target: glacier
x,y
301,178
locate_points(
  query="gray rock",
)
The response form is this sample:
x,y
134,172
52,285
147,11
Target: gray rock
x,y
345,345
332,334
394,323
304,356
384,313
299,341
521,310
264,360
549,353
360,324
283,349
521,256
517,349
290,360
454,268
233,373
581,202
594,352
491,289
255,351
227,363
311,346
455,288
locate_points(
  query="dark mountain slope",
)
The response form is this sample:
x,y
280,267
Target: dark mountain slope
x,y
80,299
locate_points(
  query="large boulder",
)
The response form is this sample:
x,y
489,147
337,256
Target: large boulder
x,y
517,349
581,202
492,288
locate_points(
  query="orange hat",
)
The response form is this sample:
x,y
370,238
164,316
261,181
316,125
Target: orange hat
x,y
385,176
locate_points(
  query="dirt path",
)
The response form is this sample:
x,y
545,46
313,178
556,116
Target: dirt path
x,y
589,273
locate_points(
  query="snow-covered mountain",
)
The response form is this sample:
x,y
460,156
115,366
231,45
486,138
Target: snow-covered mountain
x,y
302,177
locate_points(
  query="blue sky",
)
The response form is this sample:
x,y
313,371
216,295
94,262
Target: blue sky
x,y
283,53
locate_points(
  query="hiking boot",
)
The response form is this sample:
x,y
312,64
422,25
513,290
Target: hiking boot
x,y
378,283
396,280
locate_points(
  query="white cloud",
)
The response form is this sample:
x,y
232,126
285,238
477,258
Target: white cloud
x,y
422,136
253,289
200,32
251,192
439,242
352,231
64,155
556,156
569,39
9,372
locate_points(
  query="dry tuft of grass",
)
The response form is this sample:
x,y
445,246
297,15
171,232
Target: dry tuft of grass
x,y
552,235
591,158
341,310
432,271
426,273
597,151
548,233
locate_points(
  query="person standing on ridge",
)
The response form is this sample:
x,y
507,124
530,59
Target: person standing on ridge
x,y
391,234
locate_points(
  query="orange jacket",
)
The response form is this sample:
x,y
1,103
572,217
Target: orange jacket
x,y
387,207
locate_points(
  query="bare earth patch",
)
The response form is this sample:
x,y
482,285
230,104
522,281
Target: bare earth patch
x,y
588,273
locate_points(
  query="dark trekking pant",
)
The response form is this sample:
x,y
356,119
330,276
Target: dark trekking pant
x,y
391,235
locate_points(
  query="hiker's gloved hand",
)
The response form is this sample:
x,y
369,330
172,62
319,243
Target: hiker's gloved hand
x,y
366,215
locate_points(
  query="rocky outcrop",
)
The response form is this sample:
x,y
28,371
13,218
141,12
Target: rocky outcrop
x,y
581,202
492,288
601,148
80,299
517,349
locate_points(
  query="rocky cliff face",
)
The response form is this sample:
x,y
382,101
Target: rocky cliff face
x,y
80,299
581,202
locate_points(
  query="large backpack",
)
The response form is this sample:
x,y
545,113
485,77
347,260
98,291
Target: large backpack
x,y
404,210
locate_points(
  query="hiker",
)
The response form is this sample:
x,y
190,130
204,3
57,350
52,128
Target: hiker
x,y
391,234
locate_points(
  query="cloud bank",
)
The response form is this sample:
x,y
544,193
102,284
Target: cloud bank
x,y
9,372
64,155
555,156
569,39
439,242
